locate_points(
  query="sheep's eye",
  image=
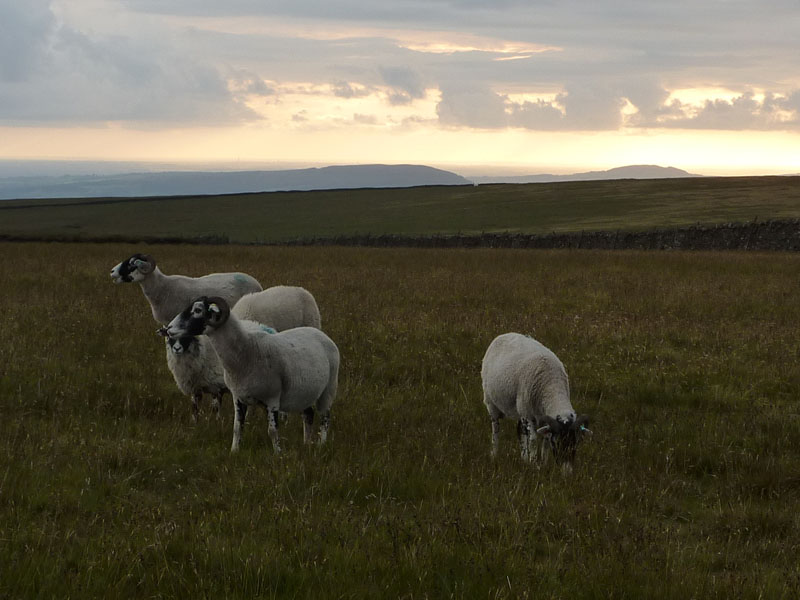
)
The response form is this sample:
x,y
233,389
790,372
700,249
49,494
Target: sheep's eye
x,y
197,310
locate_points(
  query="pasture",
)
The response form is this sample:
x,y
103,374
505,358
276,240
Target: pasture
x,y
542,208
687,364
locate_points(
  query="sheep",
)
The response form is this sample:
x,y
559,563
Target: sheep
x,y
196,368
169,294
281,307
292,371
522,379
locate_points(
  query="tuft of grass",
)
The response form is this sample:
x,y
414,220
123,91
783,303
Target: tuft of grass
x,y
687,364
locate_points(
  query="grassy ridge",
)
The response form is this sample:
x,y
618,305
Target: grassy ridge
x,y
688,489
532,208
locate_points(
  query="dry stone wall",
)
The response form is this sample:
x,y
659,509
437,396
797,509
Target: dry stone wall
x,y
778,235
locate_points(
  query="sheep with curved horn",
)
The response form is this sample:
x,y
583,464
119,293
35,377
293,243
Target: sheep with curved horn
x,y
293,371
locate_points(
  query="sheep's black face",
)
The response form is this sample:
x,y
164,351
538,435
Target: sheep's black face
x,y
564,437
181,345
201,315
192,321
134,269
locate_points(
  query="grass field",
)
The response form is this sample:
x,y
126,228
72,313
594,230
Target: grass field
x,y
533,208
687,363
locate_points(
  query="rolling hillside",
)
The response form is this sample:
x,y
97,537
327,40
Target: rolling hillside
x,y
529,208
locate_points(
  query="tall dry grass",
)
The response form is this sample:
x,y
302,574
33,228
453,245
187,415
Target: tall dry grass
x,y
687,364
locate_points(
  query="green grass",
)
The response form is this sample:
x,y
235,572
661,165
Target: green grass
x,y
532,208
687,363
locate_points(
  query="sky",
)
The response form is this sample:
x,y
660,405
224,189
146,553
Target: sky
x,y
480,87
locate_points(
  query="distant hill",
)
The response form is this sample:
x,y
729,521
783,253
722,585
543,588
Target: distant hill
x,y
629,172
188,183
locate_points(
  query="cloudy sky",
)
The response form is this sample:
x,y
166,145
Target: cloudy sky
x,y
711,86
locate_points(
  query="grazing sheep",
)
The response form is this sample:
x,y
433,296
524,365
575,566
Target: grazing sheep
x,y
169,294
197,369
281,307
291,371
524,380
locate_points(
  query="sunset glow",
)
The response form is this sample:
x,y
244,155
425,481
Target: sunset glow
x,y
514,88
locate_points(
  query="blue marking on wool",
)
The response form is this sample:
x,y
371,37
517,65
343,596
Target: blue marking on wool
x,y
241,278
268,329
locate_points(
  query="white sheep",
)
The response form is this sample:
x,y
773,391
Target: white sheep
x,y
196,368
169,294
524,380
280,307
291,371
193,363
274,309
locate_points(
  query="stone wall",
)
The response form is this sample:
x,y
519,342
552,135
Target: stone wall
x,y
782,235
777,235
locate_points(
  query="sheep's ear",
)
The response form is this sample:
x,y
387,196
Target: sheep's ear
x,y
144,264
162,331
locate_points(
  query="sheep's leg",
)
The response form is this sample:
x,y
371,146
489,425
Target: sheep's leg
x,y
308,425
324,423
239,414
541,447
494,415
495,434
272,416
524,436
324,402
216,402
531,440
196,397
